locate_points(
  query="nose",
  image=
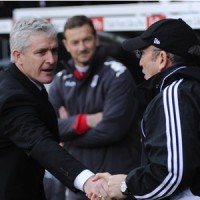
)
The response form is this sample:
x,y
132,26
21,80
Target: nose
x,y
51,57
82,46
140,63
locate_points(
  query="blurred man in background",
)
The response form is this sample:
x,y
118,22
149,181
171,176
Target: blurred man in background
x,y
94,100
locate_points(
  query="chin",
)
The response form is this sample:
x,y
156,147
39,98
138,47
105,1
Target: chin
x,y
47,80
85,61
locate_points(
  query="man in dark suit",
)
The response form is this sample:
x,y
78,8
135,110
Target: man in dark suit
x,y
28,124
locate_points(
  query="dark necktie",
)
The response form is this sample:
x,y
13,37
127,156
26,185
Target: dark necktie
x,y
44,92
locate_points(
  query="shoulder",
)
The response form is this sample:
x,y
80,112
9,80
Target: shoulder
x,y
114,66
62,75
116,71
6,80
11,92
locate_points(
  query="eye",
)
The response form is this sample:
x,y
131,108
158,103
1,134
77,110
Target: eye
x,y
54,50
41,51
74,43
139,53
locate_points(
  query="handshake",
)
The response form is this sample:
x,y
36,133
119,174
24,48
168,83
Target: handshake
x,y
104,186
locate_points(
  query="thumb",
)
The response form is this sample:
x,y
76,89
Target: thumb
x,y
105,176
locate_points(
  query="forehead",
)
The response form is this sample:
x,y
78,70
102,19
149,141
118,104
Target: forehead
x,y
42,39
78,32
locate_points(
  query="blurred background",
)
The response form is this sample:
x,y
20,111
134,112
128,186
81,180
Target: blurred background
x,y
115,21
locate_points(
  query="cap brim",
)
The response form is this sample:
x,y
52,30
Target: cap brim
x,y
134,44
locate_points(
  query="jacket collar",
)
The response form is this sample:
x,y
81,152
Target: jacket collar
x,y
24,80
147,90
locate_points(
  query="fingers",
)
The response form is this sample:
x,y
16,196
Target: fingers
x,y
99,116
107,186
105,176
98,189
92,196
103,188
63,114
93,119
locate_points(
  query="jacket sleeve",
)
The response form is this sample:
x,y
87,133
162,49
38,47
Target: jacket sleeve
x,y
24,128
170,134
56,97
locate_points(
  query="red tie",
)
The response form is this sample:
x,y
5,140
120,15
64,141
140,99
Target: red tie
x,y
79,75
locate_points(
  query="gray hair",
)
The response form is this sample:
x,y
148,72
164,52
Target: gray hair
x,y
26,27
179,60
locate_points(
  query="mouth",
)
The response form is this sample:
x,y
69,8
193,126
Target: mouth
x,y
48,70
84,53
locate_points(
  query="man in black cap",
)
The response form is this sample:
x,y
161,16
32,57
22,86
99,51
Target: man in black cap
x,y
170,169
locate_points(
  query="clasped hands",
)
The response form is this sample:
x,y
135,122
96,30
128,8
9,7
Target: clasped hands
x,y
104,186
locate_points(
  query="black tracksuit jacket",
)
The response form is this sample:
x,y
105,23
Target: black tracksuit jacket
x,y
170,135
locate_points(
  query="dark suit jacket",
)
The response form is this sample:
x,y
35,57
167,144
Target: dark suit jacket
x,y
29,140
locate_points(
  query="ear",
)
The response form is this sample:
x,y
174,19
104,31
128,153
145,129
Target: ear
x,y
17,56
65,44
164,61
97,40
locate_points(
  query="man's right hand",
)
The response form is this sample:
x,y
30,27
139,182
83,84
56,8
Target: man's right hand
x,y
97,189
94,119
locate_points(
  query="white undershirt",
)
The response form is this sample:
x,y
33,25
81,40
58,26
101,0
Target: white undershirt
x,y
82,69
82,178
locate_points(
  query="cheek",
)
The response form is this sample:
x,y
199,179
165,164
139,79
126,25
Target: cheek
x,y
72,50
94,46
148,67
68,47
154,69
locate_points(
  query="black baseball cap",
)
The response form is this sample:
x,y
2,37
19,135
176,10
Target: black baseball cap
x,y
171,35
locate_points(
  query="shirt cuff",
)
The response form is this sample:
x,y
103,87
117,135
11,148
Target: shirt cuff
x,y
82,178
80,124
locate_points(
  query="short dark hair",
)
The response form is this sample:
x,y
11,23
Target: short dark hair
x,y
78,21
